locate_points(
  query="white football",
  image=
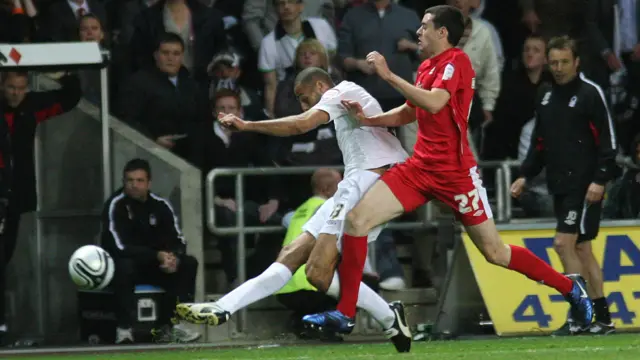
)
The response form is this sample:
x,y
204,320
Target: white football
x,y
91,268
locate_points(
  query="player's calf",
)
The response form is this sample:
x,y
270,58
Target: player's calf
x,y
322,262
486,238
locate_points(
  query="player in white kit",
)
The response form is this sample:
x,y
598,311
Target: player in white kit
x,y
367,152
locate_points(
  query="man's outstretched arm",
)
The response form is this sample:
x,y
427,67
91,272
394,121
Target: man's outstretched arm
x,y
287,126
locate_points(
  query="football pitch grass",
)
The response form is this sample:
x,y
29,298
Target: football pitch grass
x,y
618,347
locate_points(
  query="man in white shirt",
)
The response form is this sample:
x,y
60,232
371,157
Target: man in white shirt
x,y
367,153
278,48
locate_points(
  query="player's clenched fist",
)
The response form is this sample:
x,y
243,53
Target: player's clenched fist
x,y
517,187
231,121
379,63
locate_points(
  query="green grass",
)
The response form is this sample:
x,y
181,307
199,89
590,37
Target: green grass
x,y
617,347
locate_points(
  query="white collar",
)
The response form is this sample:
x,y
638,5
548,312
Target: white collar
x,y
75,7
217,129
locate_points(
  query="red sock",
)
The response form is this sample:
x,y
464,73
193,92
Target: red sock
x,y
354,254
531,266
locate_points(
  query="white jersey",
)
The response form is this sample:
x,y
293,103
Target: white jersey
x,y
363,147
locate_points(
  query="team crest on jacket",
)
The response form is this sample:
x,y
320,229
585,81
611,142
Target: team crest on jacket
x,y
545,99
152,220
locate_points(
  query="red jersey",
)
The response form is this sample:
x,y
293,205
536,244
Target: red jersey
x,y
442,142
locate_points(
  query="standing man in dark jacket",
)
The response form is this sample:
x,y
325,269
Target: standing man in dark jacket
x,y
6,247
201,29
574,138
141,232
162,101
20,113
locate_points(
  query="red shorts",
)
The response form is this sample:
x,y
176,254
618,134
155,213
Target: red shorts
x,y
460,190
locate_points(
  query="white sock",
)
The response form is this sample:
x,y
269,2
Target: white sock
x,y
271,280
368,300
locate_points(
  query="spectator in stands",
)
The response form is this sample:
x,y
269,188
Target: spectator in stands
x,y
551,18
21,111
623,198
318,147
577,19
517,101
310,53
63,18
385,27
478,44
226,73
91,30
627,49
217,147
6,247
140,230
476,12
200,28
260,16
17,20
601,28
163,102
535,199
277,49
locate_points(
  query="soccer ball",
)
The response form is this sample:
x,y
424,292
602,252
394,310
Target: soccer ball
x,y
91,268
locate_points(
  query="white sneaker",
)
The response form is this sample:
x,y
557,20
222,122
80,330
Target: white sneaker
x,y
393,283
124,336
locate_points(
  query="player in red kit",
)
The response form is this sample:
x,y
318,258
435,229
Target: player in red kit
x,y
442,167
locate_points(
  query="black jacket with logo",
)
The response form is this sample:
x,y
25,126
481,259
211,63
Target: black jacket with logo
x,y
136,229
573,137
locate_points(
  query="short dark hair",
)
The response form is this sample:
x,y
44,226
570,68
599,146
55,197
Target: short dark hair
x,y
90,16
450,18
137,164
563,43
8,74
223,93
313,74
169,38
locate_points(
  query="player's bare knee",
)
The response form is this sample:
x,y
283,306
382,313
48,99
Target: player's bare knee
x,y
564,244
294,254
317,276
357,225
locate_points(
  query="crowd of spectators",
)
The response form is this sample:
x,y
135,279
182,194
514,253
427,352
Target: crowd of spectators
x,y
175,64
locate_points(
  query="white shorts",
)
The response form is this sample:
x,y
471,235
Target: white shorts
x,y
330,217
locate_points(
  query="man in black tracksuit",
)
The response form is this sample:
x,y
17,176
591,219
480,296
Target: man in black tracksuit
x,y
574,139
141,232
21,112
